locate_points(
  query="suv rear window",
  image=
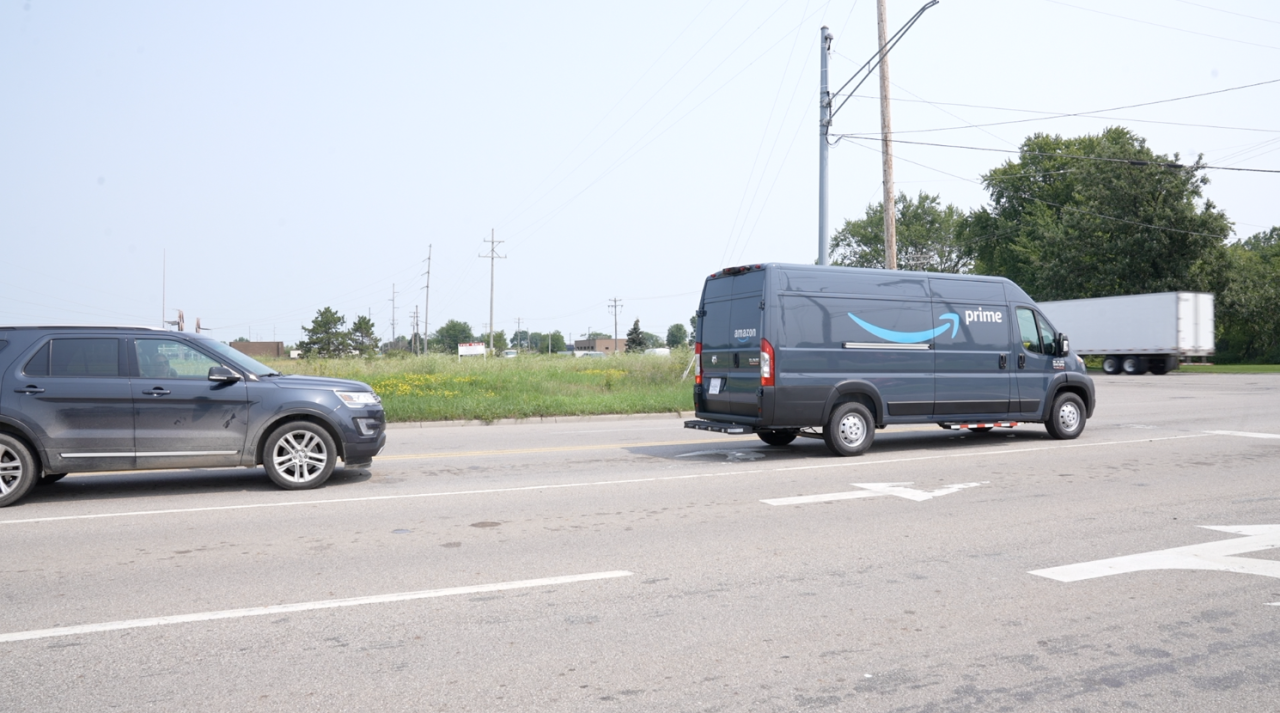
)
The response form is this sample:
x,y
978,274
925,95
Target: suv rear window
x,y
76,357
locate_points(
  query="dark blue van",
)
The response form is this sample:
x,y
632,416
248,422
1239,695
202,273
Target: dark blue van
x,y
835,352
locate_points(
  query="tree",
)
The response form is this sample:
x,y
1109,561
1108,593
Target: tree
x,y
1248,308
1098,215
326,337
520,339
363,337
652,341
239,339
635,338
453,333
598,335
693,329
926,237
677,335
499,340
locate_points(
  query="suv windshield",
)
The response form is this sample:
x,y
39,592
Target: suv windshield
x,y
242,361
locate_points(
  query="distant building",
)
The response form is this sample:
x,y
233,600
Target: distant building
x,y
606,346
274,350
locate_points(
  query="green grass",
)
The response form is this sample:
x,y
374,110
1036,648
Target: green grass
x,y
437,387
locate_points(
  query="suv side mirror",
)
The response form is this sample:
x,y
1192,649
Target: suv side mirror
x,y
1064,345
222,373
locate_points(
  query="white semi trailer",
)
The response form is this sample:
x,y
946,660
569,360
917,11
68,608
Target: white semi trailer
x,y
1135,334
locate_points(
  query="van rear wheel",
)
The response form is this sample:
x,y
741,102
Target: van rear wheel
x,y
777,438
850,430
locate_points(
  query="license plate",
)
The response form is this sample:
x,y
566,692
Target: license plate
x,y
714,387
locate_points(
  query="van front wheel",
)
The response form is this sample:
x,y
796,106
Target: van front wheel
x,y
1066,418
850,430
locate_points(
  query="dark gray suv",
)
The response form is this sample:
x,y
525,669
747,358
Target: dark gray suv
x,y
85,399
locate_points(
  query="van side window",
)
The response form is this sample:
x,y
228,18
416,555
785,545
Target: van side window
x,y
1028,332
1046,334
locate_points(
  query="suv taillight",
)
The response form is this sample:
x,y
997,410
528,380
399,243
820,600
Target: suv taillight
x,y
766,363
697,363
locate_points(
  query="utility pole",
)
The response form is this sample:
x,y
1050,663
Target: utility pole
x,y
613,309
413,339
493,254
890,202
824,124
393,313
426,302
517,334
164,279
828,111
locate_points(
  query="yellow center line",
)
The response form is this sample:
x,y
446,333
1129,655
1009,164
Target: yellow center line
x,y
556,449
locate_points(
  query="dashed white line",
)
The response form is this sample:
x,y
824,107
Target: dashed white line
x,y
305,606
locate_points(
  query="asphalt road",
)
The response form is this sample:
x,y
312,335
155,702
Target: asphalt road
x,y
631,564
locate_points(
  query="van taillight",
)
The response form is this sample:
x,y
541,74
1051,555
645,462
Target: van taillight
x,y
697,363
766,363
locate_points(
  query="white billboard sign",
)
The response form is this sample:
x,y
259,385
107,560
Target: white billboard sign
x,y
471,349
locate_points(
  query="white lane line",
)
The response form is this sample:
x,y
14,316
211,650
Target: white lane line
x,y
305,606
1245,434
841,463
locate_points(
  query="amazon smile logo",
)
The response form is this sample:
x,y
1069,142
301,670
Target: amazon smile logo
x,y
910,337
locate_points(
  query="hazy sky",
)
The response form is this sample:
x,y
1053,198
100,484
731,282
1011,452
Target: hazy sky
x,y
294,155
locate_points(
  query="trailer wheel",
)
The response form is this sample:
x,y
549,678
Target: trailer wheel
x,y
1134,366
1111,364
1160,366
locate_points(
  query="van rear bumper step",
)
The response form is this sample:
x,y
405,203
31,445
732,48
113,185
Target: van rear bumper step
x,y
719,427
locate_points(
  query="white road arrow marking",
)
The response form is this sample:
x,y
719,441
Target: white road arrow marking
x,y
912,494
872,490
1216,556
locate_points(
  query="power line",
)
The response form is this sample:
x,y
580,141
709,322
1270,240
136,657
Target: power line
x,y
1237,14
1166,27
1130,161
1059,205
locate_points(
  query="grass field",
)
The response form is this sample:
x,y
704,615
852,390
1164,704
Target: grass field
x,y
437,387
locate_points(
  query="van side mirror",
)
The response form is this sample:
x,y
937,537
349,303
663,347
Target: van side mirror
x,y
222,373
1064,345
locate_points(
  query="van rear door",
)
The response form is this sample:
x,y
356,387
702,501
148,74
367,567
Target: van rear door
x,y
731,329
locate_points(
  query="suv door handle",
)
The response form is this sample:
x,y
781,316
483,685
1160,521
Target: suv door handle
x,y
157,391
1004,360
29,389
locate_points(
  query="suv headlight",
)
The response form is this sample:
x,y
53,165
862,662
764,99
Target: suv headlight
x,y
359,399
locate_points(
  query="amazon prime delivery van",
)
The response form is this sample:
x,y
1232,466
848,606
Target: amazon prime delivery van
x,y
835,353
